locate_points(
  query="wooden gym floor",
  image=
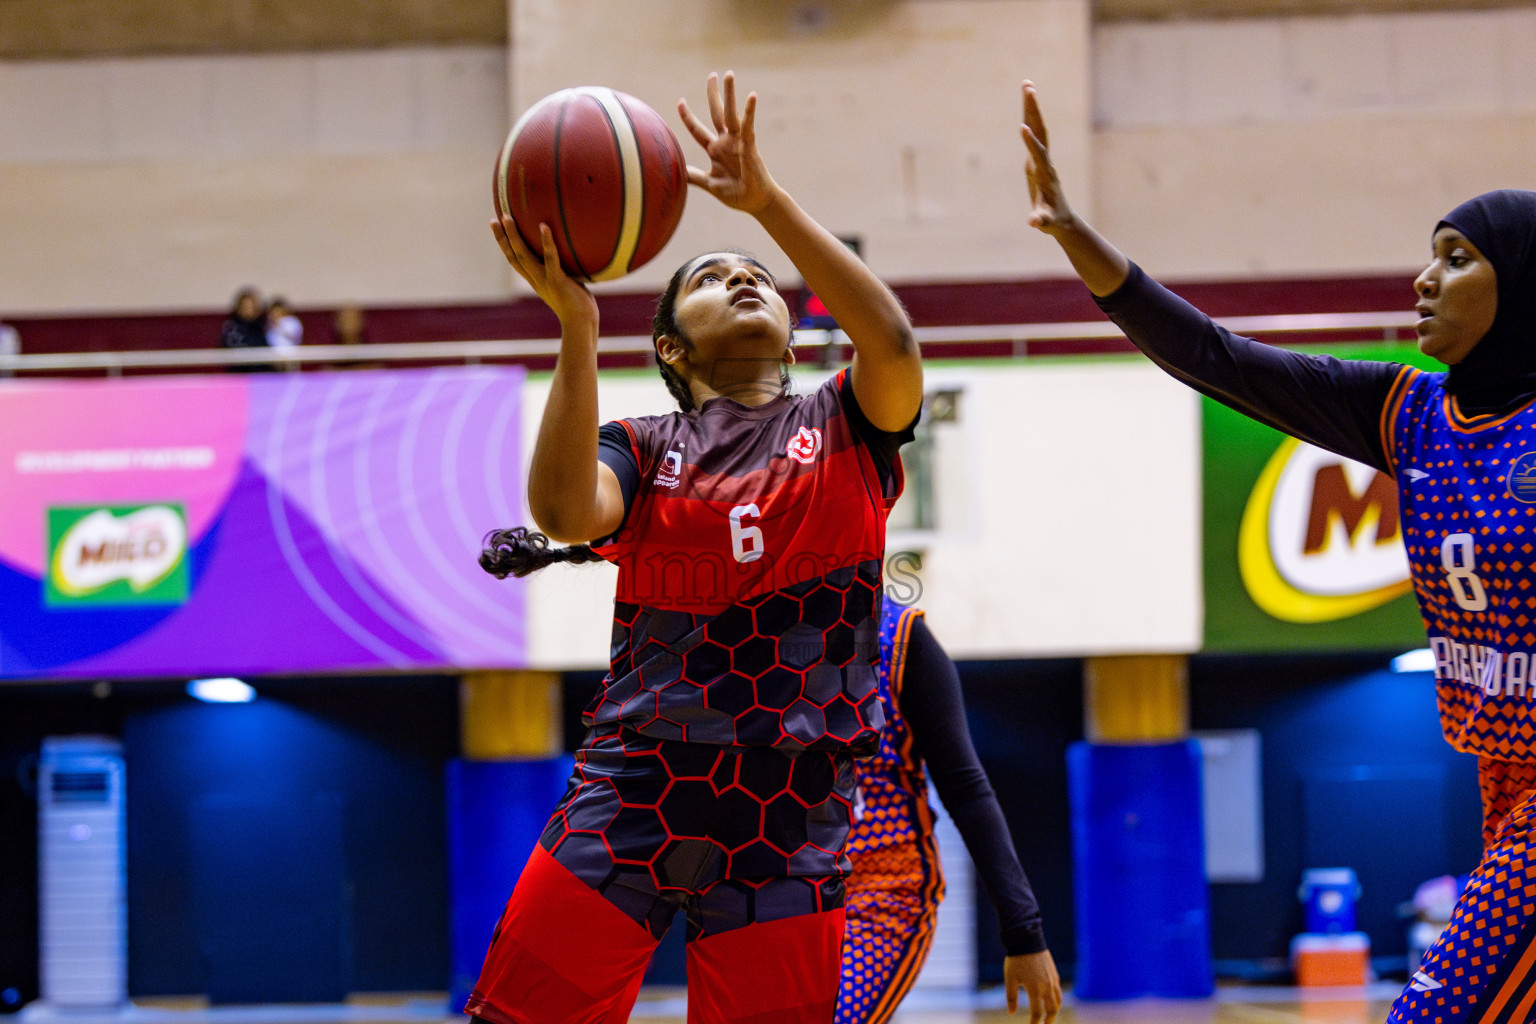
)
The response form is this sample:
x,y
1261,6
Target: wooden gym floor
x,y
1231,1005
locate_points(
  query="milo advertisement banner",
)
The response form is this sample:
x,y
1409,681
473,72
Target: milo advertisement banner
x,y
1303,549
133,554
257,523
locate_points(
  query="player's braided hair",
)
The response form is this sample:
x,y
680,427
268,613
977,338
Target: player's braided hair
x,y
520,551
664,323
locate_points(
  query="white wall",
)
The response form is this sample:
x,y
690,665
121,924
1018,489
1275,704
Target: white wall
x,y
1067,524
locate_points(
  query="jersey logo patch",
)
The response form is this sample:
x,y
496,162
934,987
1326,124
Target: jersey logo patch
x,y
671,472
1415,474
1424,983
1522,479
805,445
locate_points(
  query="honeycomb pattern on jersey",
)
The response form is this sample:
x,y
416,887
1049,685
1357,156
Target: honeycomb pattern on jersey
x,y
734,836
1455,480
890,913
791,669
1482,954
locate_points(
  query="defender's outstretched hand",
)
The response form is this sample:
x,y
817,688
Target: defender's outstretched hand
x,y
737,175
1102,267
1050,212
568,297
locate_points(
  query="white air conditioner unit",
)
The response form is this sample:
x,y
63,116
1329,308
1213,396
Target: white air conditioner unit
x,y
82,875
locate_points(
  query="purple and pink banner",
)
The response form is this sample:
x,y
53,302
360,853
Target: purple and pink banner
x,y
258,524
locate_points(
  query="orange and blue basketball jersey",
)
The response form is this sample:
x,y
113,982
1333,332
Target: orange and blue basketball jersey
x,y
1467,504
1468,511
896,881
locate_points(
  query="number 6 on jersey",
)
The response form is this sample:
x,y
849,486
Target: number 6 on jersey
x,y
746,541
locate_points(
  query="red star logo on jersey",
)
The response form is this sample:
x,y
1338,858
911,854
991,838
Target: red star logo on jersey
x,y
805,445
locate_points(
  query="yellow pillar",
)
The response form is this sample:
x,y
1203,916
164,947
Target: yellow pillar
x,y
509,714
1136,698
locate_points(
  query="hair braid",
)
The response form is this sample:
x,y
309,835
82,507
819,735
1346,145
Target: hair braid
x,y
520,551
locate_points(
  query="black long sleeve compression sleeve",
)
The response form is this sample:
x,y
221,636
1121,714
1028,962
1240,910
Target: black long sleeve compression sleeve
x,y
1332,403
932,704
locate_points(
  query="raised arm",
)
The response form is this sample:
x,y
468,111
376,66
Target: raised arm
x,y
1322,400
934,709
573,497
887,369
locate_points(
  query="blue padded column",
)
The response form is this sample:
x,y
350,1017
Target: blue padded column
x,y
496,812
1138,860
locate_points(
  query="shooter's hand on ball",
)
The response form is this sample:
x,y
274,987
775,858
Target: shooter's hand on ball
x,y
737,175
569,298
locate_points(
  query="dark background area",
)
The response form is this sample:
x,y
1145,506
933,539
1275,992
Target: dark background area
x,y
325,799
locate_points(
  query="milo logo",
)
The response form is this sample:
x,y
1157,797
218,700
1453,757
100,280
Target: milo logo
x,y
119,555
1320,538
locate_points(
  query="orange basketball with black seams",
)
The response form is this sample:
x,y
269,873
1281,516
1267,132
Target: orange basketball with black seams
x,y
603,170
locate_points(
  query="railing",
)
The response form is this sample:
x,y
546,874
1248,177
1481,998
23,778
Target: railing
x,y
1016,339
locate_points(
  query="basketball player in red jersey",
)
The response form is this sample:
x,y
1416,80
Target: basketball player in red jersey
x,y
748,529
1461,447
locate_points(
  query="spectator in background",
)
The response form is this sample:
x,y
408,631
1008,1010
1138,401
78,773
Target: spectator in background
x,y
285,332
350,327
245,327
10,345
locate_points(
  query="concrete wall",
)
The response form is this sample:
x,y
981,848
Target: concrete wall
x,y
167,183
1209,149
1309,145
894,120
164,183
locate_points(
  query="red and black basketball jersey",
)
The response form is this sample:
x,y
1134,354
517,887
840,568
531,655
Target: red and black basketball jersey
x,y
748,603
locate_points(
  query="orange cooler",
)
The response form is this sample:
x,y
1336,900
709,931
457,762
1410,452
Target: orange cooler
x,y
1341,959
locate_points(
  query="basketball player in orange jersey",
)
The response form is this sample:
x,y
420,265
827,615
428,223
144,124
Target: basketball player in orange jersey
x,y
897,880
1462,447
749,531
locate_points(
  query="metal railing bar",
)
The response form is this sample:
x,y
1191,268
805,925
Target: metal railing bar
x,y
1019,336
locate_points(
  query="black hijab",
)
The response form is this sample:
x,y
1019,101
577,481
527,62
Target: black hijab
x,y
1500,371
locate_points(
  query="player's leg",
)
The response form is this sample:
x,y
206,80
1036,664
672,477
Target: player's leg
x,y
765,941
561,953
891,909
1482,969
579,929
781,968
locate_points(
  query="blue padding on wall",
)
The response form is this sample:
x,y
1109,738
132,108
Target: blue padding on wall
x,y
1138,853
496,811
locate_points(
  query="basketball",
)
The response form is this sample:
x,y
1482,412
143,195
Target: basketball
x,y
603,170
